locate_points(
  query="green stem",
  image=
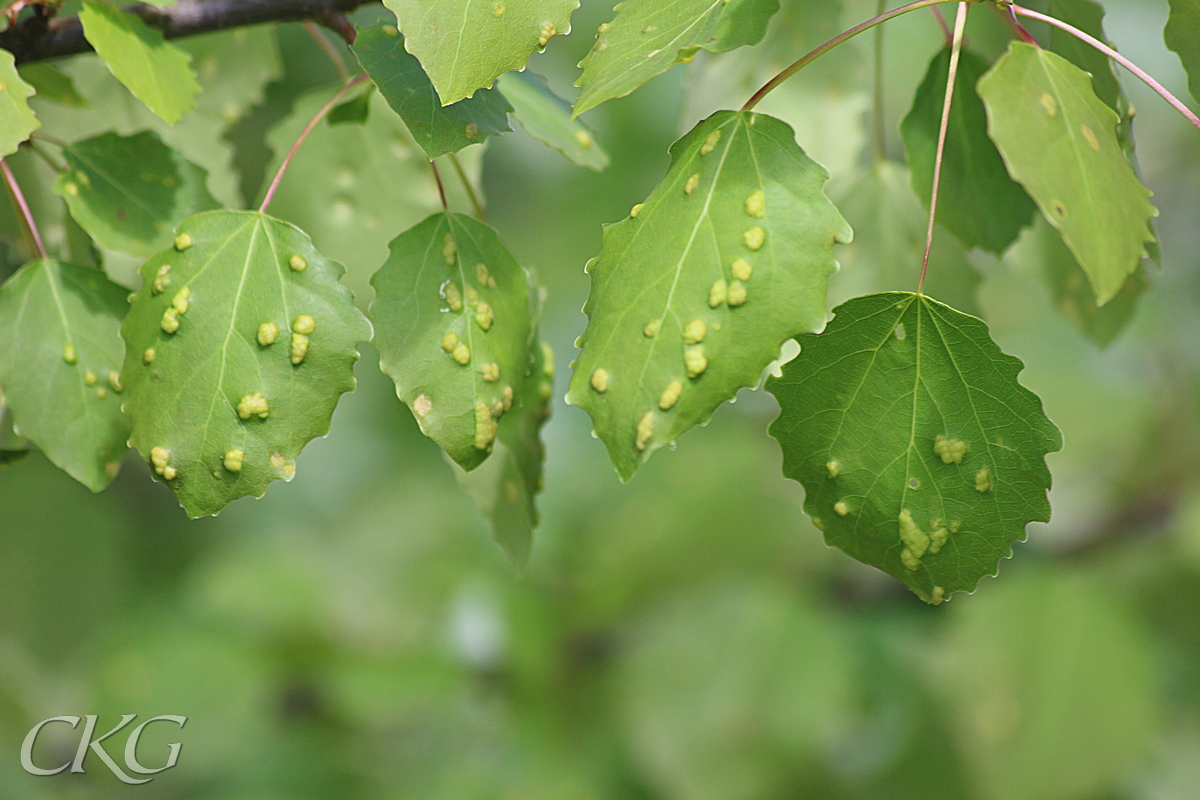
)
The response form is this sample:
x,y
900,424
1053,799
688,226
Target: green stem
x,y
879,137
960,25
470,190
841,38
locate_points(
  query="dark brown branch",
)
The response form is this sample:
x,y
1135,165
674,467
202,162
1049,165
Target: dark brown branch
x,y
38,37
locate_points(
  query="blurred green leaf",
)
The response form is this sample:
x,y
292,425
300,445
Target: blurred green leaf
x,y
1182,36
918,450
724,261
1058,139
13,447
464,45
60,366
438,129
156,71
17,120
239,344
454,331
356,110
234,67
547,117
51,83
129,192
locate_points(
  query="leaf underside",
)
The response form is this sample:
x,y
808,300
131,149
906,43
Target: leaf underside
x,y
919,451
547,117
16,117
694,293
221,404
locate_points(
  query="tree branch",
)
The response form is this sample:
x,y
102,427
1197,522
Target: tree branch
x,y
39,37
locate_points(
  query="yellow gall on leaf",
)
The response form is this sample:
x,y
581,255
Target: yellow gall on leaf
x,y
1090,136
277,460
304,324
652,328
938,537
449,342
450,250
161,280
299,350
298,263
692,183
498,10
472,296
916,541
70,355
584,138
737,294
695,331
637,209
599,380
90,379
484,316
160,459
491,372
182,300
148,356
101,392
710,142
840,508
462,354
670,395
71,188
268,332
645,429
507,397
422,405
833,468
1049,103
253,405
754,238
485,427
547,33
695,361
741,269
983,480
937,595
453,296
233,460
183,241
951,451
482,274
114,380
717,293
169,473
170,320
471,131
756,204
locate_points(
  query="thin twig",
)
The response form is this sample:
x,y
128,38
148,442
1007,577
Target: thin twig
x,y
960,24
470,190
29,226
335,58
1175,102
841,38
437,177
333,101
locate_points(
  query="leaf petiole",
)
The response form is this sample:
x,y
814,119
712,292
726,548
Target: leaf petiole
x,y
29,226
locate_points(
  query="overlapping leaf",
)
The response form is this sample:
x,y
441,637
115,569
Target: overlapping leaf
x,y
16,117
51,83
129,192
454,331
239,344
547,117
437,129
1182,36
156,71
979,202
648,37
464,45
1058,140
694,293
60,366
918,450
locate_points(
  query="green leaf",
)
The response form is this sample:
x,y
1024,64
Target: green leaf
x,y
506,485
239,344
60,366
437,129
157,72
454,331
464,45
693,294
979,202
1058,139
233,84
648,37
1182,36
16,117
1088,16
355,111
889,240
918,450
547,117
129,192
51,83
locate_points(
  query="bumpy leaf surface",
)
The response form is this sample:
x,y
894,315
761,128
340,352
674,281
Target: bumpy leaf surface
x,y
1182,36
240,342
129,192
464,45
156,71
648,37
547,117
454,331
694,293
918,450
16,117
1059,141
60,366
978,202
437,129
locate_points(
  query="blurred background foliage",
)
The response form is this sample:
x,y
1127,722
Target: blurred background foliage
x,y
357,634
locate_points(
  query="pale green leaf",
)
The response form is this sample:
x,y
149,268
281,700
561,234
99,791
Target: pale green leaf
x,y
648,37
438,129
1059,141
547,117
918,450
239,344
889,241
129,192
60,366
694,293
454,331
464,45
234,67
157,72
17,120
1182,36
978,202
51,83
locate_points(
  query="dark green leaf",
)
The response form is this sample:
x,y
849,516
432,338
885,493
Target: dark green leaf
x,y
52,83
239,344
918,450
16,117
156,71
454,331
356,110
1182,35
464,45
648,37
1088,16
1058,139
129,192
694,293
547,117
979,202
437,129
60,366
